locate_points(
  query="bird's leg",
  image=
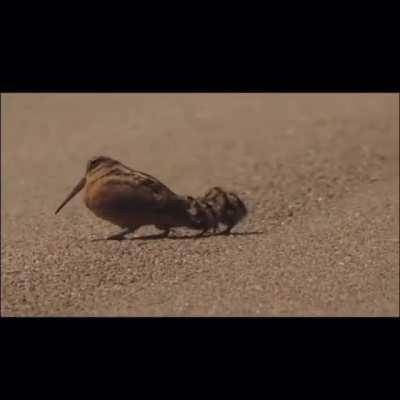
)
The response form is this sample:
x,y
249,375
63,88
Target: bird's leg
x,y
121,235
166,230
227,231
165,233
201,233
215,229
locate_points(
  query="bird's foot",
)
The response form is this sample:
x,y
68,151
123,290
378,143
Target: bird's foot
x,y
226,231
165,233
201,233
120,235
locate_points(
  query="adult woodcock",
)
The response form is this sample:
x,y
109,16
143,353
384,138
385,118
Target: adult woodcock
x,y
131,199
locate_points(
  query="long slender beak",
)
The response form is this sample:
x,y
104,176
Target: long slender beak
x,y
74,192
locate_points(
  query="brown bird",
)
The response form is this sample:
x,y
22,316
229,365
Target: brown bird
x,y
227,206
131,199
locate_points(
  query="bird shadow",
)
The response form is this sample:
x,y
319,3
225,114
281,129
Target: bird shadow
x,y
184,237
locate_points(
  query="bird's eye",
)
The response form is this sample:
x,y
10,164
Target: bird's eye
x,y
93,164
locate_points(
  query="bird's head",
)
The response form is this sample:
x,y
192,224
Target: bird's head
x,y
92,166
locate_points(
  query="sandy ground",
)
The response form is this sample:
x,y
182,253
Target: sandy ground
x,y
319,173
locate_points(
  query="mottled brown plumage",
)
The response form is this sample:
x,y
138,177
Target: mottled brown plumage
x,y
229,208
131,199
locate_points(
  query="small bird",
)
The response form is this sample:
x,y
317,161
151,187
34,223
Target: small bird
x,y
228,207
131,199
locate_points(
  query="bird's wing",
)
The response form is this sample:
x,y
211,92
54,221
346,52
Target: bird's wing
x,y
140,192
150,178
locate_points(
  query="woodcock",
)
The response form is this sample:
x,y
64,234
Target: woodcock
x,y
131,199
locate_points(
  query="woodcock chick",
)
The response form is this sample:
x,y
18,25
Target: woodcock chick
x,y
131,199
